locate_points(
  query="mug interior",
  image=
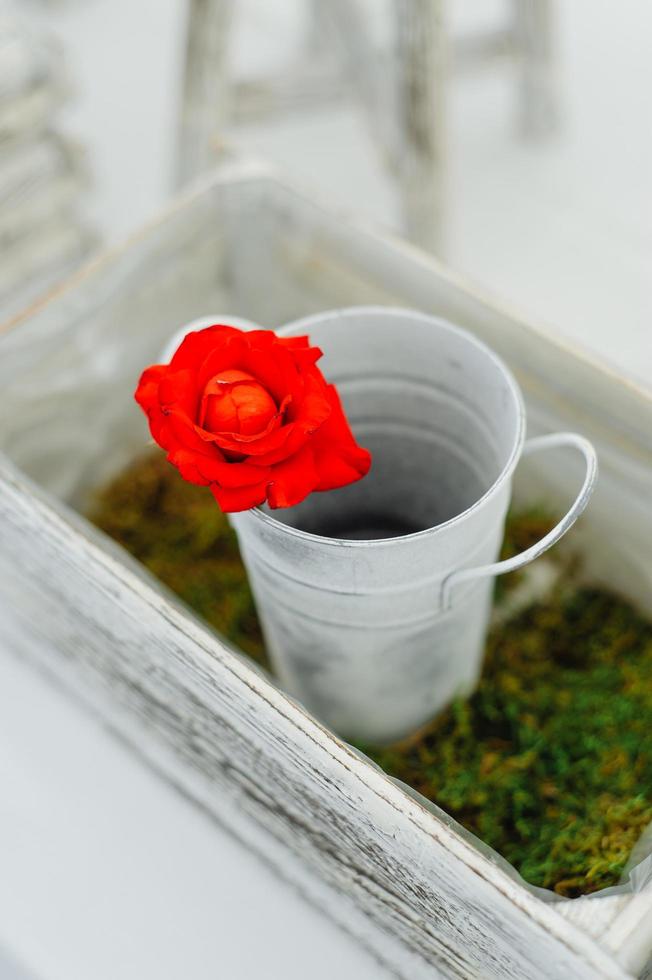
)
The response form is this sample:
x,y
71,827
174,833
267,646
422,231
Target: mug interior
x,y
439,412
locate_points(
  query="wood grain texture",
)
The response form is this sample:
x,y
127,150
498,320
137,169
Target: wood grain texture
x,y
402,879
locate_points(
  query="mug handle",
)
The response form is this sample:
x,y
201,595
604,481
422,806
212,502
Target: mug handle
x,y
559,439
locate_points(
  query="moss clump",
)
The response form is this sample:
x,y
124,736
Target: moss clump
x,y
549,762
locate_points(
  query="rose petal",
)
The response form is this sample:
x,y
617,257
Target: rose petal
x,y
336,428
185,434
338,466
159,428
315,406
227,354
261,338
146,393
177,390
239,442
338,457
212,470
195,346
305,358
242,498
301,341
273,438
314,410
293,479
275,369
186,463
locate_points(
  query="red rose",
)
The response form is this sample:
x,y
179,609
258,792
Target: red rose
x,y
250,415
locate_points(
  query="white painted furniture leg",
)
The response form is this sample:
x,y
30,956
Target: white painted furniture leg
x,y
205,96
537,88
419,98
359,61
316,16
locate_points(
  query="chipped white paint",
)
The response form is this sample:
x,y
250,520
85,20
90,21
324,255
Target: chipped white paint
x,y
404,879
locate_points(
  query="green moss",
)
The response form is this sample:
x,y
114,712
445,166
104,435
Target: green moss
x,y
549,762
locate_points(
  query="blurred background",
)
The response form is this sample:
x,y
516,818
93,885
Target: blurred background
x,y
511,137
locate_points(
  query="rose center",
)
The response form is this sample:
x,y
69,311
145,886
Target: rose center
x,y
234,401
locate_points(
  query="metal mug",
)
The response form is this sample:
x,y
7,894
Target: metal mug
x,y
375,599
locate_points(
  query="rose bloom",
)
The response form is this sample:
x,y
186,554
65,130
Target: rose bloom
x,y
251,416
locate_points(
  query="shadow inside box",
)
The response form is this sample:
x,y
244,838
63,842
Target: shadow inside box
x,y
549,761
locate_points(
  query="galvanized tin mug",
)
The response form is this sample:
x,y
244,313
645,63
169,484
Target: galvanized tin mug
x,y
374,599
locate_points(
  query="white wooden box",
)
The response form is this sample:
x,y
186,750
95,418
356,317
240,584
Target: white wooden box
x,y
409,883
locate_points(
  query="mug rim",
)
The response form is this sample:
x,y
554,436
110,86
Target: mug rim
x,y
302,325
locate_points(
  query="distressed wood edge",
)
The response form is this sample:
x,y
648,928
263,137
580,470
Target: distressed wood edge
x,y
207,646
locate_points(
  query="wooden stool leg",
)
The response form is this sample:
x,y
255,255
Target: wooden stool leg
x,y
419,83
205,104
537,90
316,25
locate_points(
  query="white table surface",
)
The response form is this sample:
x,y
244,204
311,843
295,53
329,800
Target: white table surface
x,y
106,873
